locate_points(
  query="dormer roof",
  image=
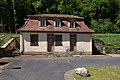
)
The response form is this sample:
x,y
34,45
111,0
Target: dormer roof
x,y
55,16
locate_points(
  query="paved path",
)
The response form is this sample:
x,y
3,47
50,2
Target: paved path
x,y
69,75
52,69
114,55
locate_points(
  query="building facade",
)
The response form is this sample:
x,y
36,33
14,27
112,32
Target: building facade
x,y
55,33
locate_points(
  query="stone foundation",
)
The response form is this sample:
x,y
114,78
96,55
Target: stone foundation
x,y
57,53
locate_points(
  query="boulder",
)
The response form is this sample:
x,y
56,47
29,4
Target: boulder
x,y
82,71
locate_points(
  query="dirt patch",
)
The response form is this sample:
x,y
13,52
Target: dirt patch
x,y
3,65
115,51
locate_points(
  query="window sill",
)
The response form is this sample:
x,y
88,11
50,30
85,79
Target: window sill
x,y
34,45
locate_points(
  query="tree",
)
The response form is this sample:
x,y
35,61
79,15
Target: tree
x,y
103,16
3,16
10,15
104,9
67,6
46,6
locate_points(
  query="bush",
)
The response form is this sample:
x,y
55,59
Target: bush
x,y
108,49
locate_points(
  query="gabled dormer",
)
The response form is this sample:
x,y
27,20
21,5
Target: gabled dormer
x,y
55,22
43,22
71,24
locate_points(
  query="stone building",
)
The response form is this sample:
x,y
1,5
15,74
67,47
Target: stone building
x,y
55,33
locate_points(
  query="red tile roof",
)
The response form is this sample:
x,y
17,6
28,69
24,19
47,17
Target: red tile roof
x,y
55,16
33,25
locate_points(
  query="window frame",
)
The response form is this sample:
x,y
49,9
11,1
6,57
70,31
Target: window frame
x,y
50,35
73,35
58,40
57,23
34,39
72,24
43,22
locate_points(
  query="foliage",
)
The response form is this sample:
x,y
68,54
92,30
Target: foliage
x,y
4,37
108,49
67,6
101,73
104,26
103,16
111,41
10,15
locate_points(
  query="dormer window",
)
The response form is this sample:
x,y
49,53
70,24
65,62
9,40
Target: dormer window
x,y
72,24
57,23
43,23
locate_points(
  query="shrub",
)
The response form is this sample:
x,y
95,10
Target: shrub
x,y
108,49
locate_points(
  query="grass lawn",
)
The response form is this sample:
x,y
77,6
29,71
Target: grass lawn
x,y
113,39
101,73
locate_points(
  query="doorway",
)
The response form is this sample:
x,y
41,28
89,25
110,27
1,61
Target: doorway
x,y
50,42
72,42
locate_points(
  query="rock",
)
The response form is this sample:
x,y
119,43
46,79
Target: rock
x,y
82,71
0,71
77,56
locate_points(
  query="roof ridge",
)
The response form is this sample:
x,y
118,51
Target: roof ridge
x,y
56,15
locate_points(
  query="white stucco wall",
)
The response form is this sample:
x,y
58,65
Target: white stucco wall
x,y
21,43
65,43
84,43
41,44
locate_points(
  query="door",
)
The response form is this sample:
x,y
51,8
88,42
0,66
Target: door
x,y
72,42
50,40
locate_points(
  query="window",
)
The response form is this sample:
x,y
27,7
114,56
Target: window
x,y
43,23
50,35
58,40
33,40
72,35
58,23
72,24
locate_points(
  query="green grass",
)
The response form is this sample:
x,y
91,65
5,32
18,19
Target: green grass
x,y
113,39
101,73
4,37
